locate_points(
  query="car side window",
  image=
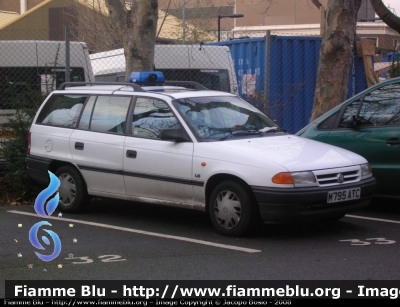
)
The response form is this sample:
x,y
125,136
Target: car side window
x,y
150,116
378,108
349,113
84,123
109,114
62,111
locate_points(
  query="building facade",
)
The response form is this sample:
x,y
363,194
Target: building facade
x,y
18,6
287,17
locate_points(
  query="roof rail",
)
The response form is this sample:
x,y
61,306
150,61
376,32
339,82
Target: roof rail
x,y
136,87
196,85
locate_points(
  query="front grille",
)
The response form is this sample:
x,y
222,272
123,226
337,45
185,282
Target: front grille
x,y
338,176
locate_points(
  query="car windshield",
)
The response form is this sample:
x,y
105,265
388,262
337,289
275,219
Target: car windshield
x,y
222,117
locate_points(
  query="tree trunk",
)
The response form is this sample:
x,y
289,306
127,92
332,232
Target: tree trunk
x,y
335,55
386,15
137,29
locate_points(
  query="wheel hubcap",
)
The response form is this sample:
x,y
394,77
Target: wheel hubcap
x,y
67,190
227,209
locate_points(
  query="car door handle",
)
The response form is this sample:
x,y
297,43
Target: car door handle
x,y
79,146
131,154
393,141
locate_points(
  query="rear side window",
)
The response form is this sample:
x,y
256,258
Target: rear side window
x,y
109,114
84,123
62,111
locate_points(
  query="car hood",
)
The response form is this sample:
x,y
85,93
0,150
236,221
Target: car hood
x,y
291,152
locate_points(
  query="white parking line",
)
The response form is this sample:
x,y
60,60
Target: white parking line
x,y
372,219
154,234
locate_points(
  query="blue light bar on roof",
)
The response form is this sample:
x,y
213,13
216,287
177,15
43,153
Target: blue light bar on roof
x,y
147,77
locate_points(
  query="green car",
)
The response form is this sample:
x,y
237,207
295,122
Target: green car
x,y
369,125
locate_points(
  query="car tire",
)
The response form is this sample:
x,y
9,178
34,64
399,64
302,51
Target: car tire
x,y
233,210
72,190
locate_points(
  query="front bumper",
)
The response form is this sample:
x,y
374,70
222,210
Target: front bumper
x,y
307,204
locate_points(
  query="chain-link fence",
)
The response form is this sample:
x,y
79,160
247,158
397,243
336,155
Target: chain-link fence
x,y
29,70
211,66
276,73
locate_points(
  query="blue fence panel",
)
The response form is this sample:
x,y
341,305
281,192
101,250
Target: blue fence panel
x,y
390,57
293,67
249,60
293,71
357,78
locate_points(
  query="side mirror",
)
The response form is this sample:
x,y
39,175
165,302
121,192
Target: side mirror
x,y
360,121
174,135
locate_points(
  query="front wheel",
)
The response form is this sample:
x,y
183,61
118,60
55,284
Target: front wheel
x,y
72,191
232,209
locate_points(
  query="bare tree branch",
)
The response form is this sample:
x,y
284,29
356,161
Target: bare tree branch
x,y
117,11
137,29
165,17
386,15
316,3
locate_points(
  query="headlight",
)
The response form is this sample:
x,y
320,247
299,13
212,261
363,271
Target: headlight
x,y
365,170
297,178
304,178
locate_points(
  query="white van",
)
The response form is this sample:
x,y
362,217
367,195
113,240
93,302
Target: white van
x,y
34,65
211,66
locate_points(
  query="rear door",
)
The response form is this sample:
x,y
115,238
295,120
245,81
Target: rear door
x,y
97,145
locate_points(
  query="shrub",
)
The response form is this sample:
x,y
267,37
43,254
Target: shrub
x,y
16,182
24,102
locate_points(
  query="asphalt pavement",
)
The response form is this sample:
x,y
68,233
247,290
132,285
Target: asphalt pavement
x,y
117,240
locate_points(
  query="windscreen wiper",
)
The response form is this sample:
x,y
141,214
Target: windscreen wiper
x,y
270,130
240,133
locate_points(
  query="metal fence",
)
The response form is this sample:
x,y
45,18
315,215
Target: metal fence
x,y
277,74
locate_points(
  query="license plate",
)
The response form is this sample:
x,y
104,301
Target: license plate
x,y
343,195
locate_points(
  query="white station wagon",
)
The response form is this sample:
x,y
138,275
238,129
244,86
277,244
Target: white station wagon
x,y
192,148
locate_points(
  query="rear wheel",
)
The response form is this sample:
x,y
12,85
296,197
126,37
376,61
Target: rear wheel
x,y
232,209
72,191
